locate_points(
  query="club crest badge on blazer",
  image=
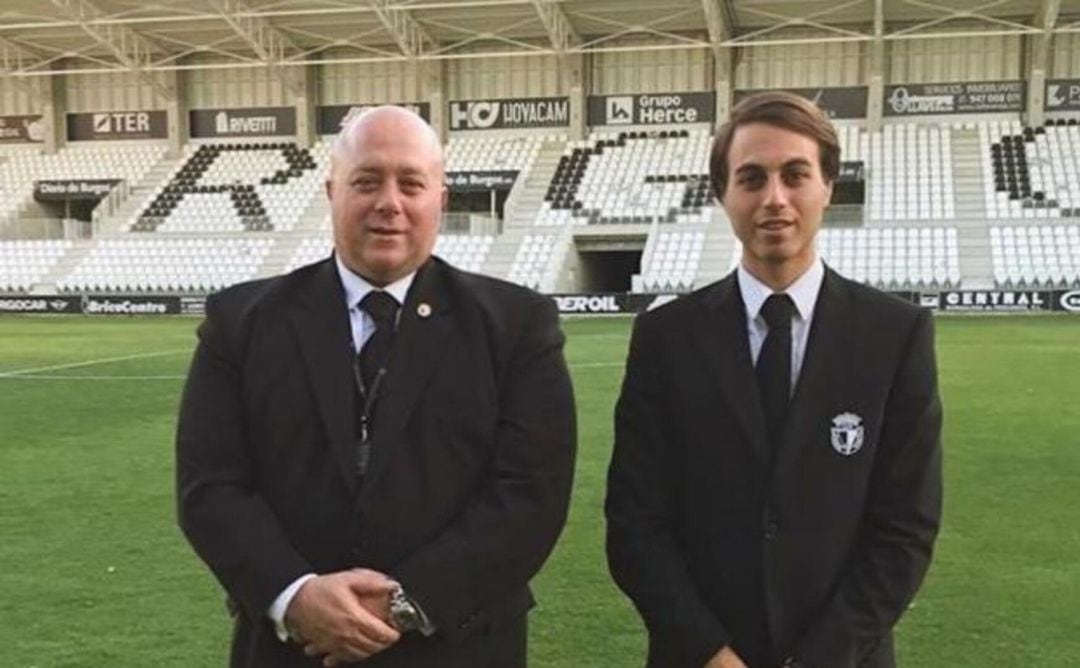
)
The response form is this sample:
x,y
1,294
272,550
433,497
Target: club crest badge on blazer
x,y
847,433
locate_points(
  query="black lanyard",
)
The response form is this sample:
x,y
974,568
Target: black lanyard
x,y
366,414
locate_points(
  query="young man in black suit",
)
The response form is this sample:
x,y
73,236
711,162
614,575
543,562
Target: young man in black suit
x,y
375,452
775,488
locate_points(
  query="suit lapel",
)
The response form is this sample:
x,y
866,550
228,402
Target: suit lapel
x,y
722,337
423,331
828,344
321,323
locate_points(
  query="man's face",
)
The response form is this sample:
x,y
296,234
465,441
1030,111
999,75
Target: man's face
x,y
775,197
386,198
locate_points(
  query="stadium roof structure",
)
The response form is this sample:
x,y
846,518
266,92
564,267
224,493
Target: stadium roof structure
x,y
49,37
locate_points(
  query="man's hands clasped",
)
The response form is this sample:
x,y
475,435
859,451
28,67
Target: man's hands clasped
x,y
344,616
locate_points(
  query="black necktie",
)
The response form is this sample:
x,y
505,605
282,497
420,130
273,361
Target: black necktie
x,y
383,309
774,365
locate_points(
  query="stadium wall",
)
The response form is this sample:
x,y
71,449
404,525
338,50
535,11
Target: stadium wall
x,y
657,71
955,59
373,83
235,87
802,65
1064,56
504,77
21,97
112,91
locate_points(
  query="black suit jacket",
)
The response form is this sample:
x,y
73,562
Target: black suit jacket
x,y
469,477
816,556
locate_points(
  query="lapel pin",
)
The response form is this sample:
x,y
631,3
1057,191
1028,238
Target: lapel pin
x,y
423,310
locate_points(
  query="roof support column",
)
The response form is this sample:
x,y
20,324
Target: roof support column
x,y
176,111
875,94
435,82
1038,59
572,66
723,58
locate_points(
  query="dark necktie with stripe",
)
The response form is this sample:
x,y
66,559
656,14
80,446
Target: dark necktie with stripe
x,y
774,365
376,351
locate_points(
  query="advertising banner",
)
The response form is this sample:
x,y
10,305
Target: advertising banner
x,y
21,129
130,305
480,181
995,301
41,304
969,97
61,190
837,102
330,118
531,112
247,122
117,125
1063,95
652,109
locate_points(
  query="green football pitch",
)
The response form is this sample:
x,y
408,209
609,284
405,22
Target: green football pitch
x,y
94,572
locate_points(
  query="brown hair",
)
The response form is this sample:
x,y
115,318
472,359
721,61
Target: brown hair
x,y
783,110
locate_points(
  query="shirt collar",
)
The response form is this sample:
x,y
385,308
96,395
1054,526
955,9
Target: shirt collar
x,y
357,287
804,291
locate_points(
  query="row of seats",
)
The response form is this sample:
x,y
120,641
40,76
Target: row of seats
x,y
24,263
1036,172
490,153
910,170
671,261
894,258
464,251
630,177
532,262
1028,256
1036,256
237,187
890,258
152,264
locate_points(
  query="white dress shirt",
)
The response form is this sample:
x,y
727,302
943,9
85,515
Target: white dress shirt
x,y
356,288
803,292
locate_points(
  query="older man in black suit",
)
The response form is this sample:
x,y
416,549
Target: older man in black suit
x,y
375,452
775,489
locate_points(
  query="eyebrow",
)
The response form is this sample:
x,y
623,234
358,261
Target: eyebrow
x,y
753,166
376,170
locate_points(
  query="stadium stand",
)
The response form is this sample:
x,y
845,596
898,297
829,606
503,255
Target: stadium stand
x,y
464,251
24,263
894,258
631,177
1034,169
1036,256
479,153
890,258
22,168
532,265
237,187
671,263
910,167
148,264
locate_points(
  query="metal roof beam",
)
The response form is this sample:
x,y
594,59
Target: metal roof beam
x,y
560,31
270,44
410,37
132,50
951,14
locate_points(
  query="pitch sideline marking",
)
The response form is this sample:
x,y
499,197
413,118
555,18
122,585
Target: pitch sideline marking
x,y
30,374
85,363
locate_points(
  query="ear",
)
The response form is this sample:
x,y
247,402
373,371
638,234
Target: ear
x,y
828,193
329,185
445,197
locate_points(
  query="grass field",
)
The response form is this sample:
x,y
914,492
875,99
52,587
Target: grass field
x,y
94,572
